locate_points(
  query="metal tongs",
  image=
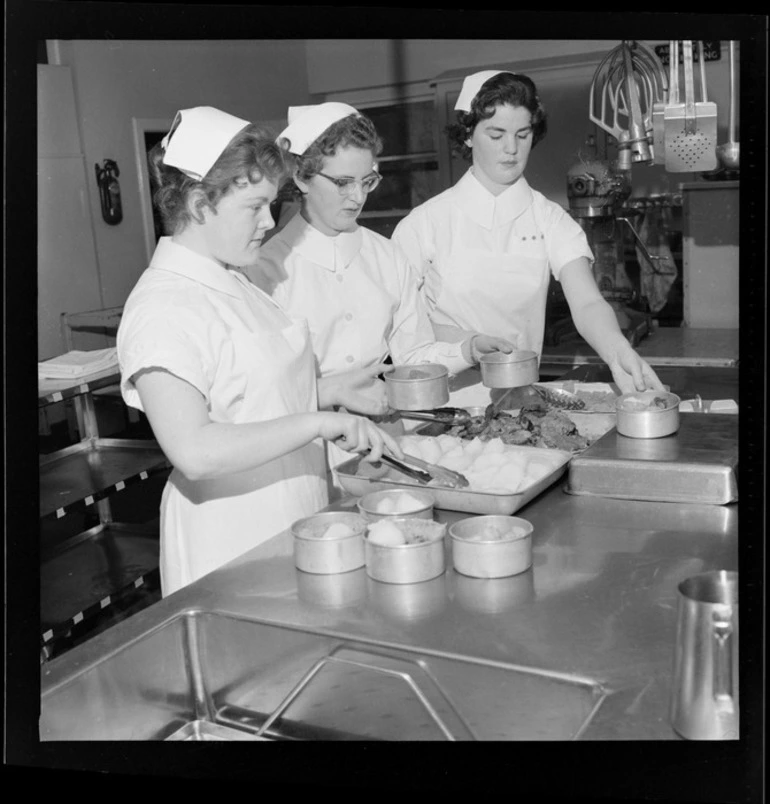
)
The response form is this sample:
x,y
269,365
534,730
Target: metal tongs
x,y
426,471
446,416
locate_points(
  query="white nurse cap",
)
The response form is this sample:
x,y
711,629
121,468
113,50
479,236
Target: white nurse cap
x,y
471,86
197,138
307,123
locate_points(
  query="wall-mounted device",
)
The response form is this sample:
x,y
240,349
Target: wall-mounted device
x,y
109,191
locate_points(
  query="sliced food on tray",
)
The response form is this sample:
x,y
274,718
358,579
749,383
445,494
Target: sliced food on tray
x,y
535,425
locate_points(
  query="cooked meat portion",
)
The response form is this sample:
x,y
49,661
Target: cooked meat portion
x,y
535,426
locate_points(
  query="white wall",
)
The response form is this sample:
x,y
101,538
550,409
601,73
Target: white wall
x,y
116,81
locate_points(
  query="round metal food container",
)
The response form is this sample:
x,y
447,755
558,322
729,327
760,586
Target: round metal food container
x,y
408,601
500,370
495,558
370,504
652,422
422,386
312,553
408,563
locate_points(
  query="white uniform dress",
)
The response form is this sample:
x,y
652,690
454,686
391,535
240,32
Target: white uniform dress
x,y
251,362
486,262
360,297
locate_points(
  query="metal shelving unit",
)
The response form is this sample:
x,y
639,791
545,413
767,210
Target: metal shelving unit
x,y
86,573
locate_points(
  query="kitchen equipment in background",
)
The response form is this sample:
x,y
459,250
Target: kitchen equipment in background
x,y
421,386
597,193
704,697
728,152
625,112
690,126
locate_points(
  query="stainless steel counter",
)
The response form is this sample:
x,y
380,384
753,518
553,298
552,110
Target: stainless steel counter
x,y
578,647
595,613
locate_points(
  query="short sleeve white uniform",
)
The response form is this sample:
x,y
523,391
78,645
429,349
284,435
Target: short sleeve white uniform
x,y
486,262
359,296
251,362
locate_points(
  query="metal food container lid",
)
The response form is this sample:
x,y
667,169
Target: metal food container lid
x,y
503,358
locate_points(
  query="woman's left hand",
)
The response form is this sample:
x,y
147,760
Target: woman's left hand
x,y
357,390
476,346
631,372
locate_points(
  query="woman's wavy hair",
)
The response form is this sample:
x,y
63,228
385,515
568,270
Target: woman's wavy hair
x,y
499,90
355,130
251,155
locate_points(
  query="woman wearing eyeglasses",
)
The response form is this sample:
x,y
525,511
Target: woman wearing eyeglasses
x,y
353,286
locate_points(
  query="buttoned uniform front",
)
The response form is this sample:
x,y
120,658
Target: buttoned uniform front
x,y
359,295
251,362
485,262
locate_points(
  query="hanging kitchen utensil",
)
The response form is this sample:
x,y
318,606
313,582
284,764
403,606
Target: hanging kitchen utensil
x,y
690,127
640,148
659,108
706,112
728,152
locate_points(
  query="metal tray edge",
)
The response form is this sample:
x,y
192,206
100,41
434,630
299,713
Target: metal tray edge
x,y
476,502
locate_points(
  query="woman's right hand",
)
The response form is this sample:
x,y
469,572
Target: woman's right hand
x,y
357,434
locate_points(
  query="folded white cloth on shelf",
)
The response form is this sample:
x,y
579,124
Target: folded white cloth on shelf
x,y
74,364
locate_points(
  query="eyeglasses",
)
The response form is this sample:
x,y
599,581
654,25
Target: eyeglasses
x,y
348,186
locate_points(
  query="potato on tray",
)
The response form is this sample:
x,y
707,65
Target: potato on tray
x,y
490,466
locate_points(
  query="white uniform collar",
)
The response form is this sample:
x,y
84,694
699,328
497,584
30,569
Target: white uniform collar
x,y
170,256
332,253
489,210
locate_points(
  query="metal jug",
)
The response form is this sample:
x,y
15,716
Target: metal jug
x,y
704,702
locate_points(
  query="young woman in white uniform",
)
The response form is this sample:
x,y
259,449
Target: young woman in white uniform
x,y
354,287
485,248
225,376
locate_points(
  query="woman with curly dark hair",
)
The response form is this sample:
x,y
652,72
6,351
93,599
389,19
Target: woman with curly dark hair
x,y
227,379
354,287
486,248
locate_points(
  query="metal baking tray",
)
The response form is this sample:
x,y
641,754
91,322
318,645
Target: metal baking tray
x,y
472,502
697,464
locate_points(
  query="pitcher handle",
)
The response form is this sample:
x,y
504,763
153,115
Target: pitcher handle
x,y
723,669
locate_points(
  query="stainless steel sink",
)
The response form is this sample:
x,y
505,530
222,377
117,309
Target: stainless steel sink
x,y
209,676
